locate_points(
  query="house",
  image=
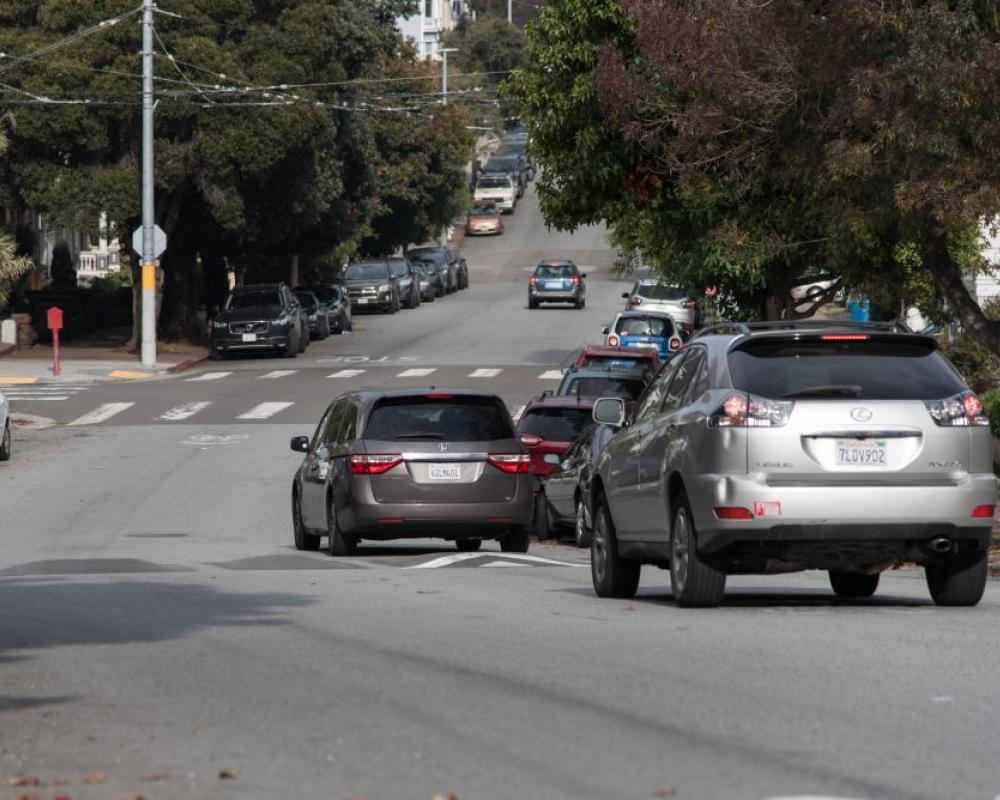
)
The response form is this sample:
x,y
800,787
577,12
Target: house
x,y
100,256
434,19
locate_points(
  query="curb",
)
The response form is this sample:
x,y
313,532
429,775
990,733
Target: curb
x,y
187,363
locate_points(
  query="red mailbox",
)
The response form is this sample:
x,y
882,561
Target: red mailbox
x,y
55,320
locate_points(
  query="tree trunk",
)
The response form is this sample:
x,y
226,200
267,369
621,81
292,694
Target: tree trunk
x,y
179,317
947,277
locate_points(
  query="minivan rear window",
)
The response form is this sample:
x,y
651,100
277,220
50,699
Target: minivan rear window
x,y
866,370
455,418
555,424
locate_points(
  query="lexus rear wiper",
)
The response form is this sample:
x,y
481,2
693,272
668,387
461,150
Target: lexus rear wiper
x,y
419,436
825,391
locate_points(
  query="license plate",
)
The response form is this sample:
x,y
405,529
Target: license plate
x,y
861,453
363,300
553,284
444,472
249,337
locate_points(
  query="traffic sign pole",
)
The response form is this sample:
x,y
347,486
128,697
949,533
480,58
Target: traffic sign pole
x,y
148,269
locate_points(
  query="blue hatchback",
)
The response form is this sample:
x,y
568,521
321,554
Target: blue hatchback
x,y
645,329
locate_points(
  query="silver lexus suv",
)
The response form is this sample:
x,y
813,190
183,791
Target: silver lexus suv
x,y
773,447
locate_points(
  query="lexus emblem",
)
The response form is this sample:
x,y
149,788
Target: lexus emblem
x,y
861,414
443,446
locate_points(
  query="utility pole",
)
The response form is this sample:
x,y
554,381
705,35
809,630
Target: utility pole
x,y
510,12
148,268
444,72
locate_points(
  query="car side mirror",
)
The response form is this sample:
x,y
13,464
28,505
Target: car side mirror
x,y
605,330
610,411
583,275
625,296
300,444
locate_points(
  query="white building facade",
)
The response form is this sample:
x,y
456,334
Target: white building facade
x,y
434,19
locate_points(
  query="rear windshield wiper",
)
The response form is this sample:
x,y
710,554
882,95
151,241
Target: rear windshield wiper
x,y
419,436
825,391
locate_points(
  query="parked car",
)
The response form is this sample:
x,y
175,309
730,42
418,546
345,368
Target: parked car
x,y
645,329
371,285
317,315
7,440
557,282
681,304
409,287
497,189
626,382
512,166
484,218
773,447
567,488
597,355
407,463
517,144
549,425
338,307
453,267
259,317
432,281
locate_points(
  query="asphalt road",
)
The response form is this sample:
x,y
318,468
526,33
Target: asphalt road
x,y
160,635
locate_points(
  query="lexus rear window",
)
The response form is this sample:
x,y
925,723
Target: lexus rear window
x,y
445,419
555,424
866,370
605,387
656,292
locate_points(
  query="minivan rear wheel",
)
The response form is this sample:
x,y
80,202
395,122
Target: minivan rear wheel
x,y
850,584
960,580
340,543
695,584
516,541
613,576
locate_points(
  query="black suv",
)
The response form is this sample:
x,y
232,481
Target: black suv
x,y
409,283
454,270
264,316
371,285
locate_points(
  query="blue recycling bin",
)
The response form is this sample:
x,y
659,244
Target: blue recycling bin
x,y
860,309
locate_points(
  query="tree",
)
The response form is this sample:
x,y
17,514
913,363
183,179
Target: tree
x,y
12,268
757,140
62,269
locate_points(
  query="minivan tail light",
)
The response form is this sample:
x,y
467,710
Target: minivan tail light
x,y
984,512
365,464
964,410
530,440
510,462
741,410
613,340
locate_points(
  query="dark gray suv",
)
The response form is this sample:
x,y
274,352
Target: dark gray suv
x,y
413,463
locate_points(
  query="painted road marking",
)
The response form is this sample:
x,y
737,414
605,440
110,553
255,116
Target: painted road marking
x,y
184,411
417,372
484,373
265,410
457,558
279,373
210,376
9,380
345,373
130,375
102,413
551,375
37,397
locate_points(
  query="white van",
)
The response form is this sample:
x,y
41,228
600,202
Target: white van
x,y
497,189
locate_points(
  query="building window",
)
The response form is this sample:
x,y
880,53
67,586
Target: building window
x,y
429,9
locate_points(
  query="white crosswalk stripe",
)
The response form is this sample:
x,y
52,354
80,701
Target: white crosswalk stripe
x,y
551,375
102,413
38,397
485,373
264,410
279,373
184,411
417,372
210,376
46,392
345,373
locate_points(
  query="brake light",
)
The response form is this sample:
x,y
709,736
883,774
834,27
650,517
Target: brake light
x,y
733,512
613,340
533,281
530,440
364,464
749,411
439,396
675,343
689,303
961,411
635,300
511,463
845,337
984,512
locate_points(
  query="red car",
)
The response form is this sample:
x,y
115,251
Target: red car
x,y
601,355
549,425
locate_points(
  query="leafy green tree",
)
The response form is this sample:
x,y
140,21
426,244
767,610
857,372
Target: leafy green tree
x,y
62,270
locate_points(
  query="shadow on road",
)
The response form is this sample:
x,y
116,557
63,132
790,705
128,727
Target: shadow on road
x,y
766,598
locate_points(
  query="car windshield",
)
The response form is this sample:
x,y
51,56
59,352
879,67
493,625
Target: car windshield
x,y
645,326
615,361
399,268
660,292
435,257
308,300
326,294
484,211
629,388
366,272
866,370
505,164
260,299
555,271
442,417
493,182
555,424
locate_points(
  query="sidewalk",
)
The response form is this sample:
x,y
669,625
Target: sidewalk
x,y
96,359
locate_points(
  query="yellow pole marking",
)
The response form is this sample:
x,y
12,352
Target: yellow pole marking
x,y
148,277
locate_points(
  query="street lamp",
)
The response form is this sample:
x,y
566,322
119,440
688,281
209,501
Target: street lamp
x,y
444,73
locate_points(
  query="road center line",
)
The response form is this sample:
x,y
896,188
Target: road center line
x,y
101,414
264,410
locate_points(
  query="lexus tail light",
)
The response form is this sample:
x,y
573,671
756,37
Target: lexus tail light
x,y
741,410
364,464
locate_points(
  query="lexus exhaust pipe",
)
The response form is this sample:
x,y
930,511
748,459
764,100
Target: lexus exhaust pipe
x,y
941,545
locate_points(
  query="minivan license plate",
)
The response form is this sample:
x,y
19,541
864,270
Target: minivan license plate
x,y
444,472
861,453
249,337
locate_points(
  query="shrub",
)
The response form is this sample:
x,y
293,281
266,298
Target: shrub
x,y
979,366
991,407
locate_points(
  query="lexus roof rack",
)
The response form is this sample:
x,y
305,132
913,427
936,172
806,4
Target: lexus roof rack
x,y
724,328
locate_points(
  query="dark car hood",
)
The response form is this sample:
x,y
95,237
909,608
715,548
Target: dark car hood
x,y
362,283
249,314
